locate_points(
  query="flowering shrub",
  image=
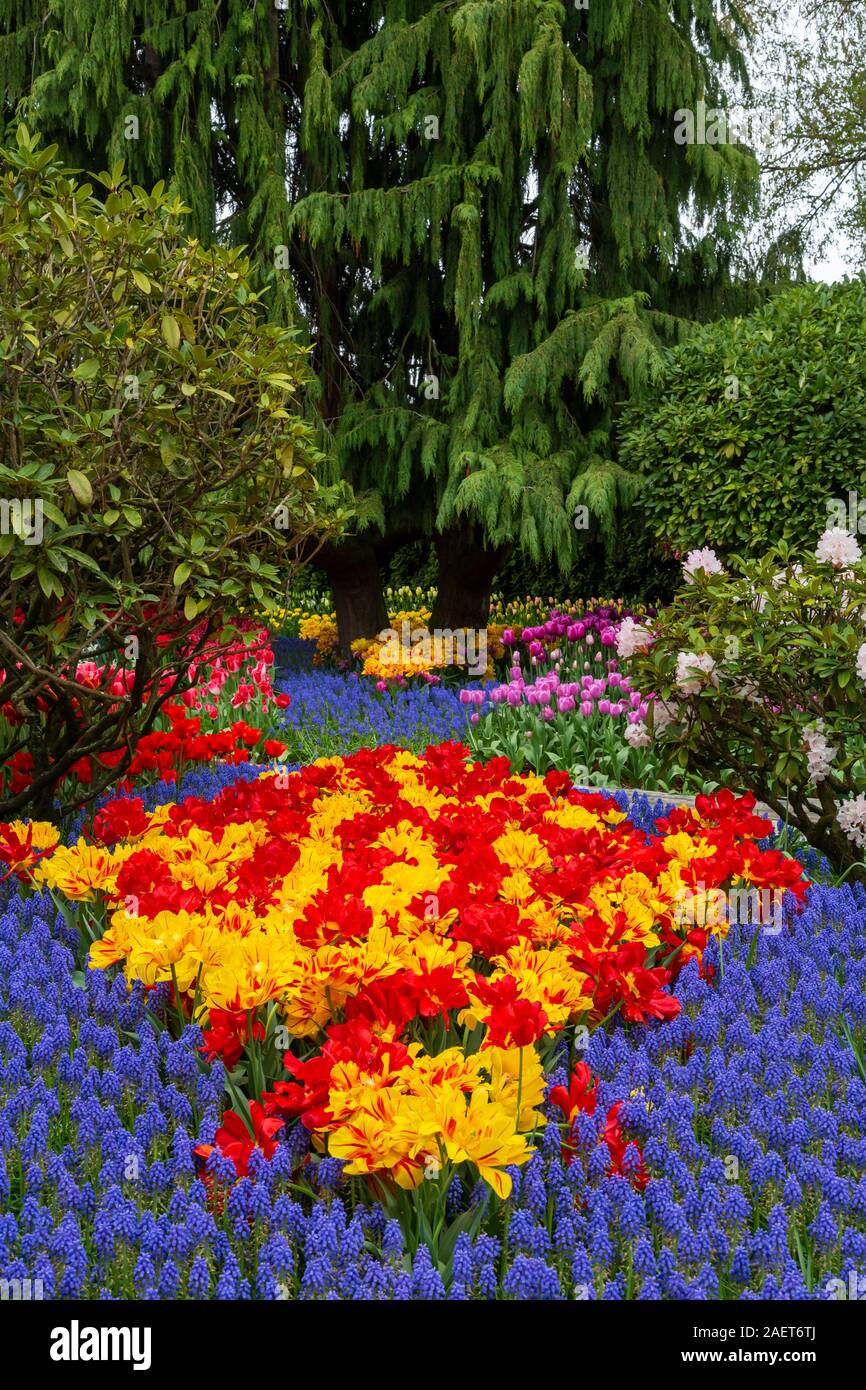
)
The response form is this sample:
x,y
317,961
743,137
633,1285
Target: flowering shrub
x,y
128,349
759,678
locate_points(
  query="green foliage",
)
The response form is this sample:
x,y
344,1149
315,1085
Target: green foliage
x,y
143,82
156,469
757,425
630,564
430,171
752,666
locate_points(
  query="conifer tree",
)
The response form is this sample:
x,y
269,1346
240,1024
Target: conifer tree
x,y
478,208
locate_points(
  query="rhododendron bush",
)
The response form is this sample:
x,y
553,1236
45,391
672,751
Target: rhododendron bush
x,y
386,949
758,669
155,463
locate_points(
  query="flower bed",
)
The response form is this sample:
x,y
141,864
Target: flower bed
x,y
101,1109
404,1025
388,949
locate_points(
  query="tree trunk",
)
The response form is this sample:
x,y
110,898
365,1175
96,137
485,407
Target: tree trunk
x,y
353,574
466,571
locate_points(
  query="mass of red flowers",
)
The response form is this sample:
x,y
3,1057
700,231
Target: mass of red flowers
x,y
225,685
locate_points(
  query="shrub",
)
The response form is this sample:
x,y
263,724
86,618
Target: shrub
x,y
759,423
762,673
156,468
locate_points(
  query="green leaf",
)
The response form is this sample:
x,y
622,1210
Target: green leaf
x,y
171,331
80,485
86,371
48,582
53,513
181,574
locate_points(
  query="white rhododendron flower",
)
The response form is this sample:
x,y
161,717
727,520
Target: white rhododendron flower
x,y
838,547
861,662
664,713
706,560
851,815
781,576
632,637
748,690
694,670
637,735
819,751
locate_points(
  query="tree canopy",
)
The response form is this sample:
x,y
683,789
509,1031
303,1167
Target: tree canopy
x,y
477,209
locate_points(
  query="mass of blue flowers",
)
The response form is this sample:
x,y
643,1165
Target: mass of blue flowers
x,y
335,712
749,1109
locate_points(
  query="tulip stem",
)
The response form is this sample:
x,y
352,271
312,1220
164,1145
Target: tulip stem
x,y
519,1089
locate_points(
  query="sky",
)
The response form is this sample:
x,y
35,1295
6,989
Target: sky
x,y
794,19
837,260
